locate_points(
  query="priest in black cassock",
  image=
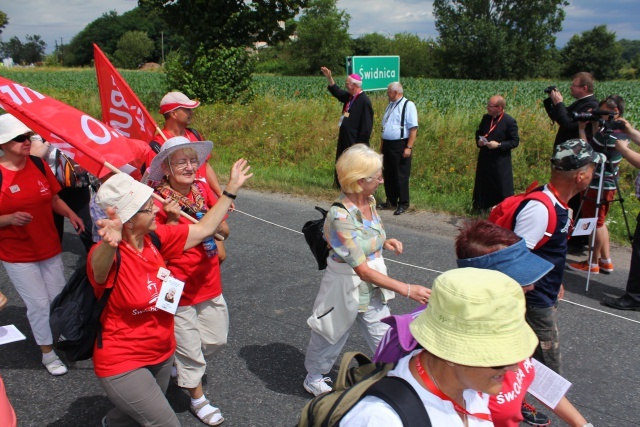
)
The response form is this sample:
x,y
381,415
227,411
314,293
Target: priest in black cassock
x,y
356,120
496,136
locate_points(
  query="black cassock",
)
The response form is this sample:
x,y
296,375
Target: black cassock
x,y
494,175
358,125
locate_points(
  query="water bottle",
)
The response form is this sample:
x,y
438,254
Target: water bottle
x,y
209,244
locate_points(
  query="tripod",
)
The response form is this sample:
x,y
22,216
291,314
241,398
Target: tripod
x,y
605,167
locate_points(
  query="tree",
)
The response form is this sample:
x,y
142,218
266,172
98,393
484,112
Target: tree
x,y
323,37
416,55
4,20
595,51
30,52
372,44
630,49
222,74
104,31
228,23
496,39
133,49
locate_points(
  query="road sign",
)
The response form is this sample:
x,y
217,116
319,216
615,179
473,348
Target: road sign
x,y
376,71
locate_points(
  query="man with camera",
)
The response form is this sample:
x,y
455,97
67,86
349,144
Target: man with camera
x,y
631,299
582,91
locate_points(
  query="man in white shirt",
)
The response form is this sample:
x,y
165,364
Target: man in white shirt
x,y
399,131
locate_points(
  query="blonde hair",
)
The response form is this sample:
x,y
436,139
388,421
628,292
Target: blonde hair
x,y
357,162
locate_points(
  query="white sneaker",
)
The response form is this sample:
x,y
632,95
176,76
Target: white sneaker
x,y
317,387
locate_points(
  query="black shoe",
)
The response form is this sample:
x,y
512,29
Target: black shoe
x,y
401,209
625,302
385,205
533,417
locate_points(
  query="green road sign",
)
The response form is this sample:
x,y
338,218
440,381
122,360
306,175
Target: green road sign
x,y
376,71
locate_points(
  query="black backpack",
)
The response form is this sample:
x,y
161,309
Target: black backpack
x,y
313,234
75,315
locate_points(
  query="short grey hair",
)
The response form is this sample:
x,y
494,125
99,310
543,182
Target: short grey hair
x,y
396,86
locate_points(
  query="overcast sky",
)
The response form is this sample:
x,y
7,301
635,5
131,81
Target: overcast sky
x,y
54,20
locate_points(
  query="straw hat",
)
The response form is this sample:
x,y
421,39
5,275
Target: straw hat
x,y
10,127
124,194
475,318
202,148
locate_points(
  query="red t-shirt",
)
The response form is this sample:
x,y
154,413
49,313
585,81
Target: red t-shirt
x,y
201,173
200,273
506,407
28,190
134,332
7,414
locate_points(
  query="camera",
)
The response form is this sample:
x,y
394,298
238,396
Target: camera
x,y
596,115
549,89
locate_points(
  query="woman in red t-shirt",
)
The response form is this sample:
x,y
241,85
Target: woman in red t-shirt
x,y
134,363
29,246
202,319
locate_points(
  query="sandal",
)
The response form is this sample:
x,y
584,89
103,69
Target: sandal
x,y
210,419
56,367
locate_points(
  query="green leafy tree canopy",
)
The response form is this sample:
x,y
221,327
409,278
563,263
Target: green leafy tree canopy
x,y
322,37
133,49
595,51
496,39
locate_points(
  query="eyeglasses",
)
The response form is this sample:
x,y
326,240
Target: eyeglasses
x,y
148,210
21,138
577,85
182,164
376,178
492,105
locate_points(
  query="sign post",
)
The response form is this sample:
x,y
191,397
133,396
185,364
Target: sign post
x,y
376,71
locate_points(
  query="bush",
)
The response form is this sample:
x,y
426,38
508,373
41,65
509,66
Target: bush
x,y
212,75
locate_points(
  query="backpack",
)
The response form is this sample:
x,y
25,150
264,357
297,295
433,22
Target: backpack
x,y
313,234
367,379
70,174
75,315
503,214
38,162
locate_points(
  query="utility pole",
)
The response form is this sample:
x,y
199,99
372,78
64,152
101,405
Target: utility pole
x,y
162,39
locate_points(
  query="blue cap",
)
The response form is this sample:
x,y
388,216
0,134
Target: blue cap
x,y
516,261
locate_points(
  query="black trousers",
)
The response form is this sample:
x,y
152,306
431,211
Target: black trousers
x,y
633,282
396,171
78,200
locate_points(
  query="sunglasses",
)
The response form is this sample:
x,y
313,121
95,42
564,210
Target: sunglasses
x,y
21,138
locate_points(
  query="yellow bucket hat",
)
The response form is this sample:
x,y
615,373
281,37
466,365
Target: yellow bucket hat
x,y
475,317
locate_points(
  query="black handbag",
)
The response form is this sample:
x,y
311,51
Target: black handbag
x,y
313,234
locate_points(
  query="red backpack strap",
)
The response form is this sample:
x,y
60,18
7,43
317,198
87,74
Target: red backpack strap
x,y
541,197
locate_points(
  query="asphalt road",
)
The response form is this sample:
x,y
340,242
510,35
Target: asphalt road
x,y
270,281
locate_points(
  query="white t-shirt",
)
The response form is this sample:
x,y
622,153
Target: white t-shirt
x,y
531,222
374,412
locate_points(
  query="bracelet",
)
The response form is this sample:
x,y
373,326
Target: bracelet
x,y
410,148
408,291
229,195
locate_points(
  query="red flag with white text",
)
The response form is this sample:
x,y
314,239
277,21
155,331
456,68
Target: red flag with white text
x,y
86,140
121,108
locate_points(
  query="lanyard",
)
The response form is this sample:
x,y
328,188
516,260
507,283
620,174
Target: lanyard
x,y
493,125
553,191
347,106
433,388
387,114
138,254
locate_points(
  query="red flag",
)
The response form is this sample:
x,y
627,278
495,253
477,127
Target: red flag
x,y
121,108
86,140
